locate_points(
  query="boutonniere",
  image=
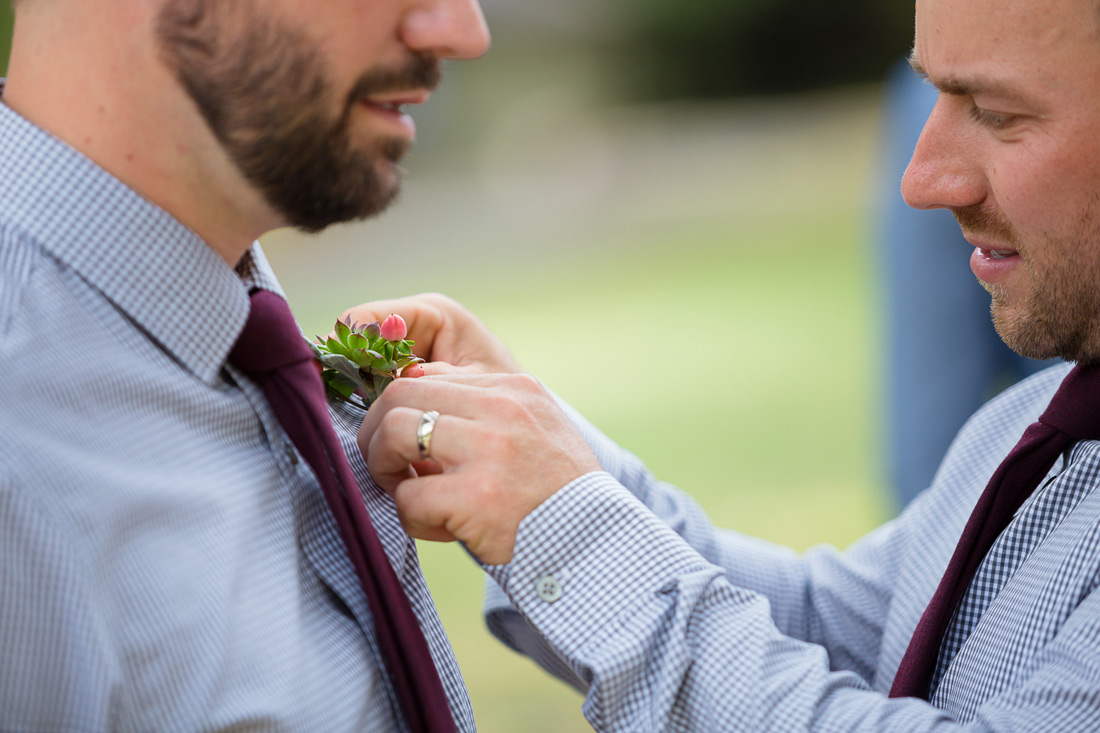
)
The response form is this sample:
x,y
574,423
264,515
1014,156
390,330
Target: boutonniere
x,y
359,361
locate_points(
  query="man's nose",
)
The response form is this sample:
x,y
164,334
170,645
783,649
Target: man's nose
x,y
945,170
446,28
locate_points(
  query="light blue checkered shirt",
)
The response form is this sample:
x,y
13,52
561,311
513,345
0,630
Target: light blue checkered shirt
x,y
166,561
671,624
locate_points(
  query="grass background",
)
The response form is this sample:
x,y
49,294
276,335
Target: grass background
x,y
698,281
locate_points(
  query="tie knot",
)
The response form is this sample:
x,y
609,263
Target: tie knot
x,y
1075,407
270,339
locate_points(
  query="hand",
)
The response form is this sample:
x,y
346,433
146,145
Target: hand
x,y
500,448
445,334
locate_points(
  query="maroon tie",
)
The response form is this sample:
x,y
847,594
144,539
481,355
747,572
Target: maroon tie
x,y
1073,414
272,352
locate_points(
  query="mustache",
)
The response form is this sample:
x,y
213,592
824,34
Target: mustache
x,y
978,221
421,71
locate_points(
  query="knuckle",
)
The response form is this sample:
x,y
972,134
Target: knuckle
x,y
524,396
445,304
439,299
392,425
525,383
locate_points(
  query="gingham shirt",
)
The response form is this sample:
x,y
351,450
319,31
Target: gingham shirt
x,y
671,624
167,562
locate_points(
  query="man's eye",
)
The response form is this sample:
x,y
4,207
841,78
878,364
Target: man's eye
x,y
994,120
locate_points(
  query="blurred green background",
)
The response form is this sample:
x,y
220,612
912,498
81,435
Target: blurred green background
x,y
663,207
5,35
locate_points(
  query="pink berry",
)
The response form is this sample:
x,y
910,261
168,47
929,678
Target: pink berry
x,y
394,328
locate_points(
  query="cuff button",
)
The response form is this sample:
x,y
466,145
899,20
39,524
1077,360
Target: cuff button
x,y
548,588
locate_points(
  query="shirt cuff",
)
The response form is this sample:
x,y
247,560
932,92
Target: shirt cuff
x,y
586,557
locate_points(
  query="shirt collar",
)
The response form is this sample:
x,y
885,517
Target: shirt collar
x,y
152,267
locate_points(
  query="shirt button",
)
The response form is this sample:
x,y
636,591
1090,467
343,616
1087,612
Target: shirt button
x,y
291,454
548,588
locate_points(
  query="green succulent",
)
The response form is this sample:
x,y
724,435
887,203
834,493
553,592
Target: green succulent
x,y
357,363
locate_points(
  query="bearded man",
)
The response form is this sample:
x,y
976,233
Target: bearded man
x,y
177,554
976,609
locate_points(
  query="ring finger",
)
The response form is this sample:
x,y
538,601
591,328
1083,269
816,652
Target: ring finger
x,y
393,447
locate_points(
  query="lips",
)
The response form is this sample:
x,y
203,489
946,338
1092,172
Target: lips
x,y
994,265
388,109
989,249
390,106
394,102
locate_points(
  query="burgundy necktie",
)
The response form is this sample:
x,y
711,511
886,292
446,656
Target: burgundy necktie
x,y
1073,414
272,352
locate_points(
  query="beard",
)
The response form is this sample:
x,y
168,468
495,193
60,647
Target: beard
x,y
264,94
1060,315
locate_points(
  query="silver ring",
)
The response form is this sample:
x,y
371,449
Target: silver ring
x,y
424,433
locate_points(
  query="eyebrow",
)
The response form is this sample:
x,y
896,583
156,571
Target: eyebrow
x,y
963,86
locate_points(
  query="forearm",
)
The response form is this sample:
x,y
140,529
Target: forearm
x,y
664,641
822,596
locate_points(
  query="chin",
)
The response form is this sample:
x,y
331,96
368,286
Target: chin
x,y
390,176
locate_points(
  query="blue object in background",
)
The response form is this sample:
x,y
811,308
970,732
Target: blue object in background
x,y
943,358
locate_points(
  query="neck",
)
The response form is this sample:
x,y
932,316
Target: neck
x,y
89,73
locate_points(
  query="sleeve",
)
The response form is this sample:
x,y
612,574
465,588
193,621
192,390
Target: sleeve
x,y
664,641
57,672
833,599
